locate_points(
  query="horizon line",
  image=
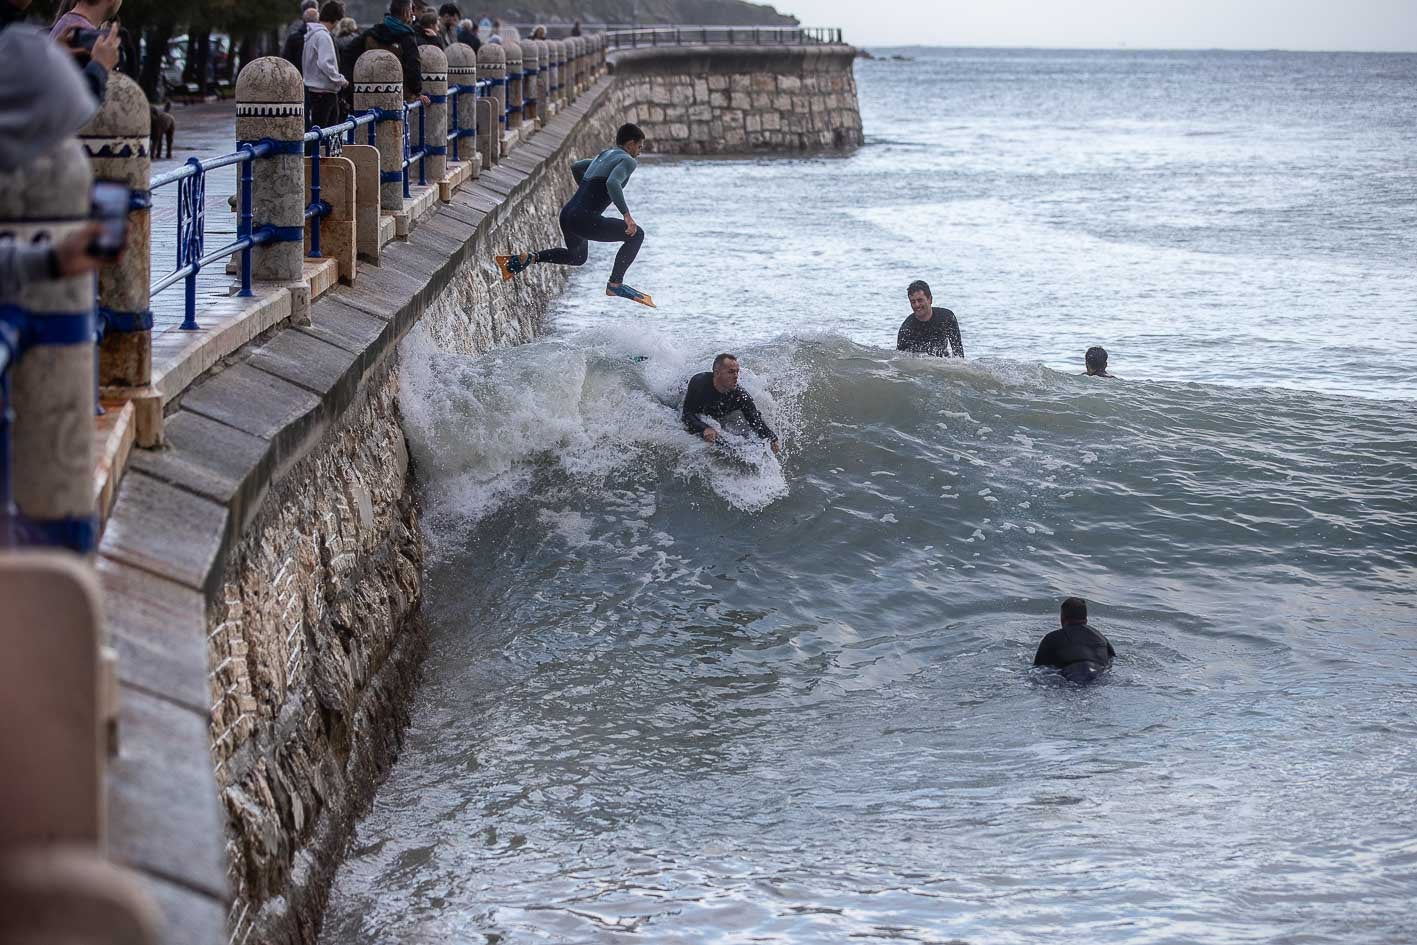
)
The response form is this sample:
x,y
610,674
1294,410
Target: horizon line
x,y
1126,48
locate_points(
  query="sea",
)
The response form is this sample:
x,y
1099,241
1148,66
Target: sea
x,y
675,697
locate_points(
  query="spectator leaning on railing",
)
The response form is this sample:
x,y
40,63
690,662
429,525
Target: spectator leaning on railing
x,y
320,69
43,100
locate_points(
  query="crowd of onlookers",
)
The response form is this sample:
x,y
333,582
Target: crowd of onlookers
x,y
324,44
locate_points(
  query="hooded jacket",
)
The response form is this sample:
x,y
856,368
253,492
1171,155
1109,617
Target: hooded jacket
x,y
400,43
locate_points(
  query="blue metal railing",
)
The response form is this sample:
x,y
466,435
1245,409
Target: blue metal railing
x,y
635,37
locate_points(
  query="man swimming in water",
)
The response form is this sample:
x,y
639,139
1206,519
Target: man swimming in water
x,y
601,180
1096,362
1076,650
716,394
928,330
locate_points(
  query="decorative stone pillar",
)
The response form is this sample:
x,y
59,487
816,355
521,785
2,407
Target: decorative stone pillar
x,y
557,56
462,83
47,340
378,85
116,140
270,103
582,44
515,96
601,48
531,67
433,63
543,80
573,61
492,66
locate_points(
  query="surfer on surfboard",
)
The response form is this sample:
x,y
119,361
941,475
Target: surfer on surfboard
x,y
601,182
716,394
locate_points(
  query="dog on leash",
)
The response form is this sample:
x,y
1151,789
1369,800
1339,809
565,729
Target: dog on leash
x,y
163,128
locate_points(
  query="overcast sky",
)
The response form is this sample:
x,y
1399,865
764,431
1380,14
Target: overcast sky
x,y
1149,24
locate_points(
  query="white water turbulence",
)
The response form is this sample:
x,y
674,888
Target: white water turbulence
x,y
676,698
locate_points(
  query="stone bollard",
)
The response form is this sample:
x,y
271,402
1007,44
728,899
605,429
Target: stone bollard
x,y
557,56
116,140
531,66
601,48
433,63
573,46
492,66
47,344
543,73
515,94
270,103
582,45
462,90
378,85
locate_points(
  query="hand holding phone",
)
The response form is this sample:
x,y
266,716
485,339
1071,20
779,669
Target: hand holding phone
x,y
111,202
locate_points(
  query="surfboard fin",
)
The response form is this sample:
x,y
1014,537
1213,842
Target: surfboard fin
x,y
626,292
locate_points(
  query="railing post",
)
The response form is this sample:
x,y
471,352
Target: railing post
x,y
244,225
531,66
116,140
315,197
515,96
50,325
270,104
492,66
462,87
433,119
378,86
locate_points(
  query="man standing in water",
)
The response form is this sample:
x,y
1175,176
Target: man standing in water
x,y
716,394
1076,650
928,330
1096,362
601,181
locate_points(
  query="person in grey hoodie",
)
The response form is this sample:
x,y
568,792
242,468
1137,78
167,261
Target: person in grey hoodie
x,y
321,72
43,100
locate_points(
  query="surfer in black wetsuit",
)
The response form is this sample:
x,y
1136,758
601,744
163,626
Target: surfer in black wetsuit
x,y
1076,650
928,330
600,181
716,394
1096,362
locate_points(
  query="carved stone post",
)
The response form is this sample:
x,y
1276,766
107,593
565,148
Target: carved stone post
x,y
434,65
378,84
47,340
462,81
531,66
556,54
116,140
543,73
270,103
515,93
492,65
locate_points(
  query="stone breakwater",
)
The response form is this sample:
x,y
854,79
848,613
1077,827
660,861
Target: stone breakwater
x,y
708,100
264,569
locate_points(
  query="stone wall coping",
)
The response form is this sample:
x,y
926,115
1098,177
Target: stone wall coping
x,y
181,511
699,60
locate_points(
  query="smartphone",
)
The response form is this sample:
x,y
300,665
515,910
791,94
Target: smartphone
x,y
84,39
111,202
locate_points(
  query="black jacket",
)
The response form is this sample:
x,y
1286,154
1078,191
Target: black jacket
x,y
403,45
293,51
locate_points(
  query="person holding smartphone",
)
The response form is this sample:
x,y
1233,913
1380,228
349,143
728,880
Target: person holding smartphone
x,y
94,48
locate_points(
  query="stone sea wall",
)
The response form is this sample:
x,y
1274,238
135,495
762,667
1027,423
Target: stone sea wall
x,y
264,568
708,100
317,638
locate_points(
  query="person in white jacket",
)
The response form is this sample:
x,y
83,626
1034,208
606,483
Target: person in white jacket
x,y
323,80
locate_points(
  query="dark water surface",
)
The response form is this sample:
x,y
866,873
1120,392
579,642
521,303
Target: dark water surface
x,y
672,699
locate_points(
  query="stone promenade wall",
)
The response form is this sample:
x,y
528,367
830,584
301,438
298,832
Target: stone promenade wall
x,y
264,569
732,100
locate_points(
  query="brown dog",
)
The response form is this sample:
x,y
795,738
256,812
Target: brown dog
x,y
163,128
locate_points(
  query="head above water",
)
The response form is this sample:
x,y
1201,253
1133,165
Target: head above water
x,y
1074,610
920,299
1096,360
725,372
630,139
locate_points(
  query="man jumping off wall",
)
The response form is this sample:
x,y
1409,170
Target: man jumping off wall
x,y
602,181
